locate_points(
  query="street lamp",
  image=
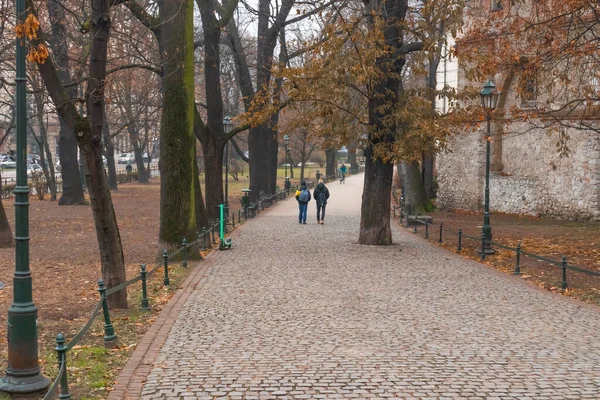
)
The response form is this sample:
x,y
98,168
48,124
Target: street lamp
x,y
286,141
489,99
23,371
227,126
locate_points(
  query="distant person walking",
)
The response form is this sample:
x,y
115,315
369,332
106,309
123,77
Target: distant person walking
x,y
303,197
321,194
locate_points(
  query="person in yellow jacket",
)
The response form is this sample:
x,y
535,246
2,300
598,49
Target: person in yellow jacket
x,y
303,197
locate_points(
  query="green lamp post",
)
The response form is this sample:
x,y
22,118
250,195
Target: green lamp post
x,y
23,371
286,142
227,125
489,99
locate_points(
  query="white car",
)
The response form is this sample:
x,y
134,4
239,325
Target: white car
x,y
126,158
33,168
7,162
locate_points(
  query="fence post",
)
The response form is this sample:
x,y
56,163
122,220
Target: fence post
x,y
459,248
214,241
441,230
145,305
204,238
166,281
240,215
184,256
415,224
61,354
518,262
110,338
482,256
426,229
563,284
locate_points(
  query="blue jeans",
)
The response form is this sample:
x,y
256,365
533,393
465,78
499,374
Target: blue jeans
x,y
303,207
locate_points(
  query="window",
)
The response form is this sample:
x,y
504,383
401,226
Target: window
x,y
528,89
496,5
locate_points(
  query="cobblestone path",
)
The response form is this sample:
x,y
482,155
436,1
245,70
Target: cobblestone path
x,y
302,311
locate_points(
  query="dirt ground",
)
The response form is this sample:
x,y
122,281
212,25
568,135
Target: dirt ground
x,y
578,241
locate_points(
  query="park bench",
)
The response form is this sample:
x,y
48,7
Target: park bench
x,y
248,207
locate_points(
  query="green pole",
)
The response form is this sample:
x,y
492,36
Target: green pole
x,y
486,229
23,371
221,220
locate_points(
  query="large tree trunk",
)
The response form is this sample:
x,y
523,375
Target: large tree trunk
x,y
258,147
139,160
6,237
90,144
352,157
428,186
415,198
201,217
375,210
177,142
376,202
109,152
330,163
213,167
72,193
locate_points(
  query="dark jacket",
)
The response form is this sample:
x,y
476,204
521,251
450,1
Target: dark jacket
x,y
303,187
321,194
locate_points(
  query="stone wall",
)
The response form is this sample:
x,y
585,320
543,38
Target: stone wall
x,y
534,180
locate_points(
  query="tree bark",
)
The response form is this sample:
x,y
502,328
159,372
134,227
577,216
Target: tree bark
x,y
415,198
376,199
6,237
138,155
201,217
177,143
109,152
352,157
72,193
330,163
428,186
376,202
107,230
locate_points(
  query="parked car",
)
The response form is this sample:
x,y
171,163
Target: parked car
x,y
33,168
7,162
126,158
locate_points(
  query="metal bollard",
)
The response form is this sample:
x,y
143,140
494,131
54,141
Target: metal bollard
x,y
233,219
563,284
214,241
110,338
145,304
204,239
184,256
166,281
240,216
61,354
482,256
459,248
441,230
426,229
518,261
415,225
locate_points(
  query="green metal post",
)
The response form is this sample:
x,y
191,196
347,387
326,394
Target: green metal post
x,y
212,229
415,225
61,353
518,261
426,229
221,222
240,216
233,219
23,371
459,247
482,246
184,256
166,281
563,284
145,303
441,230
110,338
204,239
486,229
